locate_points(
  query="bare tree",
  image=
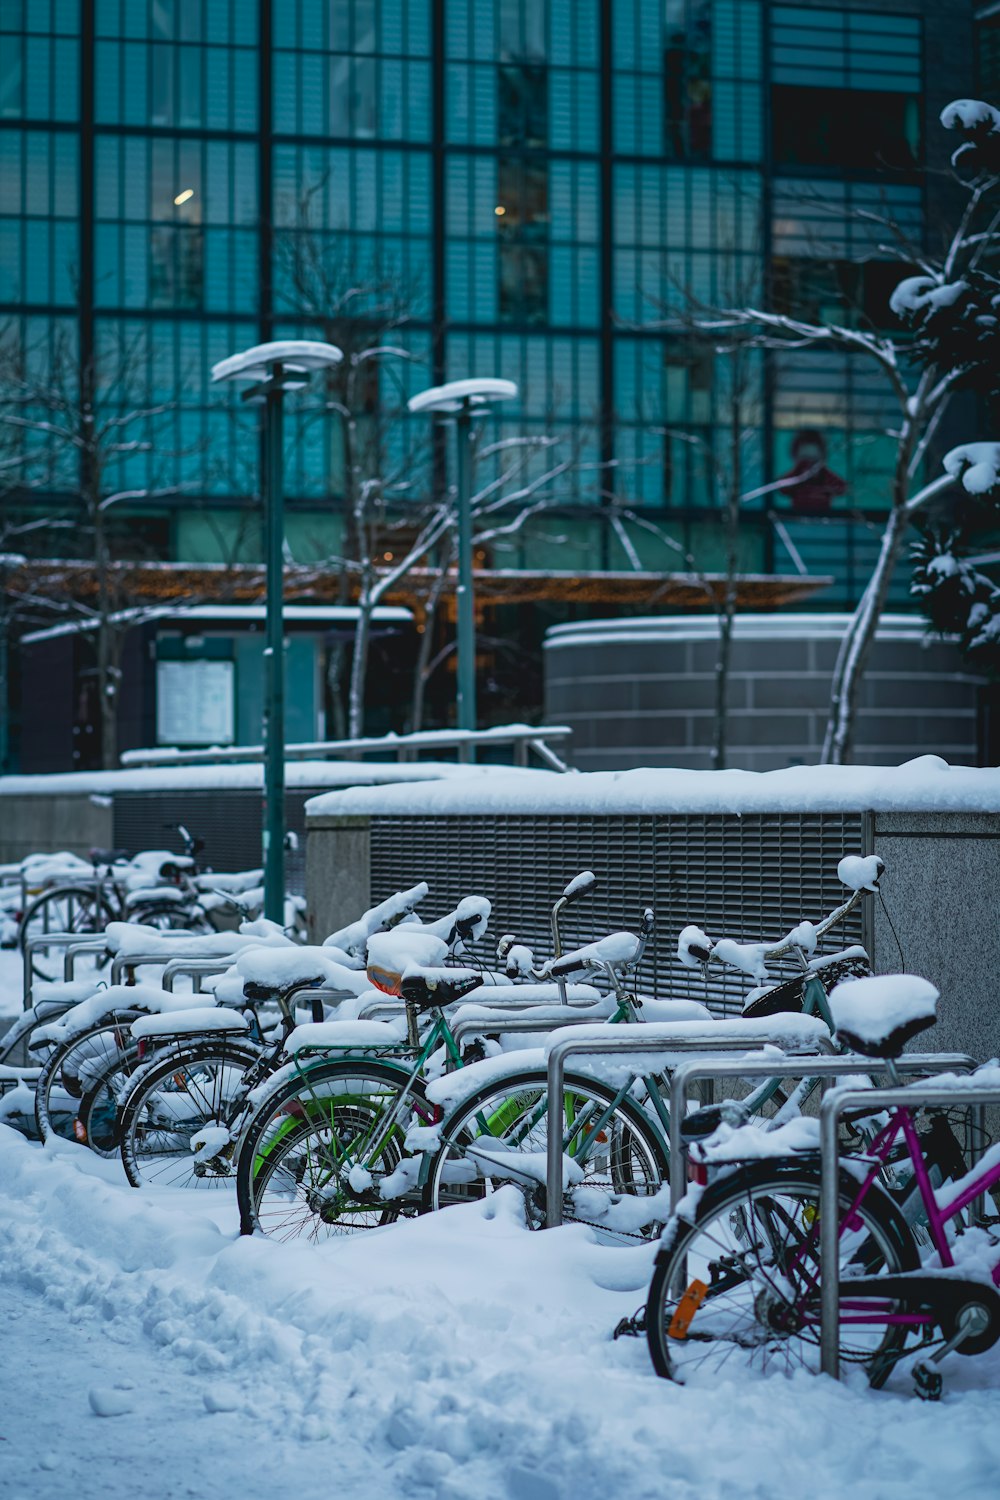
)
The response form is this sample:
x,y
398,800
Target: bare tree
x,y
87,436
920,375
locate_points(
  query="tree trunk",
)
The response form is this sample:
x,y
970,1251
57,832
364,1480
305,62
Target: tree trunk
x,y
359,666
857,642
422,669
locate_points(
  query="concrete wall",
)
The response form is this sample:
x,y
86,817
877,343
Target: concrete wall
x,y
940,895
46,825
937,915
642,693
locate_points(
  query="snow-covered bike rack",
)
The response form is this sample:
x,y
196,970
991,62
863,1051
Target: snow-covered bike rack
x,y
195,969
44,943
826,1069
80,950
629,1043
835,1103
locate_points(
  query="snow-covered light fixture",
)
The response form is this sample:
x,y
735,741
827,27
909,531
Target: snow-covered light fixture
x,y
460,401
271,370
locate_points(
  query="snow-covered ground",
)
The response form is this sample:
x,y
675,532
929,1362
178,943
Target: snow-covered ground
x,y
148,1349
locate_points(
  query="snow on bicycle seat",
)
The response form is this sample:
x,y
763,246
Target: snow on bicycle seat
x,y
877,1016
428,988
268,972
390,954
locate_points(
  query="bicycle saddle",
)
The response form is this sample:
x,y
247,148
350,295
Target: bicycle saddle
x,y
438,987
107,856
259,989
877,1016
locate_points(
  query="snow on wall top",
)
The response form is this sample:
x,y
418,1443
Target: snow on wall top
x,y
302,773
927,784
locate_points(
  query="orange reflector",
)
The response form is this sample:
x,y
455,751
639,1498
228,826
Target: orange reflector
x,y
686,1309
80,1132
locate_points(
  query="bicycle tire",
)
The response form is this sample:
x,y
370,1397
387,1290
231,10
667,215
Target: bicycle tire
x,y
626,1156
72,1066
180,1092
170,916
66,908
750,1234
288,1134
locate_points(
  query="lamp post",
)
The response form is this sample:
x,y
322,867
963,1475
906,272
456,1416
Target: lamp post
x,y
459,401
272,370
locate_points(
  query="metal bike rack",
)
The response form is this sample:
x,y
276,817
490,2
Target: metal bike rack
x,y
77,950
835,1103
312,993
628,1043
42,944
476,1025
191,968
157,958
825,1069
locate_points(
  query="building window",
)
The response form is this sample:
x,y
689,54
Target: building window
x,y
834,291
522,105
687,70
522,217
846,88
857,128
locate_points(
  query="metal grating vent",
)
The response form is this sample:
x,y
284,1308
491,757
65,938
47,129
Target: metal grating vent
x,y
751,876
228,819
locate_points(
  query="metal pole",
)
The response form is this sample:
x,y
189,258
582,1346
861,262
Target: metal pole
x,y
465,602
274,657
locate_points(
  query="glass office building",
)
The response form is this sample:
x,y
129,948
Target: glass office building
x,y
540,183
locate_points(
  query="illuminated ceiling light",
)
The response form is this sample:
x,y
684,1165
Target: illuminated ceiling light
x,y
499,210
184,196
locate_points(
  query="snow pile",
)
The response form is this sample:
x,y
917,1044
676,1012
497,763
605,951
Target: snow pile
x,y
977,465
925,784
454,1357
925,294
860,872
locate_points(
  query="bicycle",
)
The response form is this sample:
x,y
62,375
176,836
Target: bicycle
x,y
512,1109
738,1274
201,1081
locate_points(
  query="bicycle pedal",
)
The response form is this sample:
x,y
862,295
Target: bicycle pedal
x,y
631,1328
928,1383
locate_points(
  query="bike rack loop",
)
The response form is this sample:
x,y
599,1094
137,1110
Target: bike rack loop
x,y
193,968
77,950
39,945
825,1068
386,1009
157,958
598,1046
835,1103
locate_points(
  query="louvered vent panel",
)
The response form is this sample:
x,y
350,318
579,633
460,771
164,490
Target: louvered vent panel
x,y
746,877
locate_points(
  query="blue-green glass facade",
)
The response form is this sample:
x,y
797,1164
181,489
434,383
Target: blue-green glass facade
x,y
540,181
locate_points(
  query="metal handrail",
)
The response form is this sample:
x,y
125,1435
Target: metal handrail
x,y
836,1103
629,1042
824,1068
521,736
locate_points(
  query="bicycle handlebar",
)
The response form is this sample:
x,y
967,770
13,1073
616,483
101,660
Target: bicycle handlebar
x,y
695,947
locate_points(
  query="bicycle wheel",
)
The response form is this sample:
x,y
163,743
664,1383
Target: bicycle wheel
x,y
74,1066
194,1088
318,1154
67,908
739,1288
171,916
610,1139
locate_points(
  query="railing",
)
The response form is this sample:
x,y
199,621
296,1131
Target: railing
x,y
524,739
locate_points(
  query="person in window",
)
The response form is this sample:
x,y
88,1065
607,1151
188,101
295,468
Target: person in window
x,y
809,484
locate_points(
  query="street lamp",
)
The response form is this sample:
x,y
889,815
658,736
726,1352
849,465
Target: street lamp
x,y
274,369
459,401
